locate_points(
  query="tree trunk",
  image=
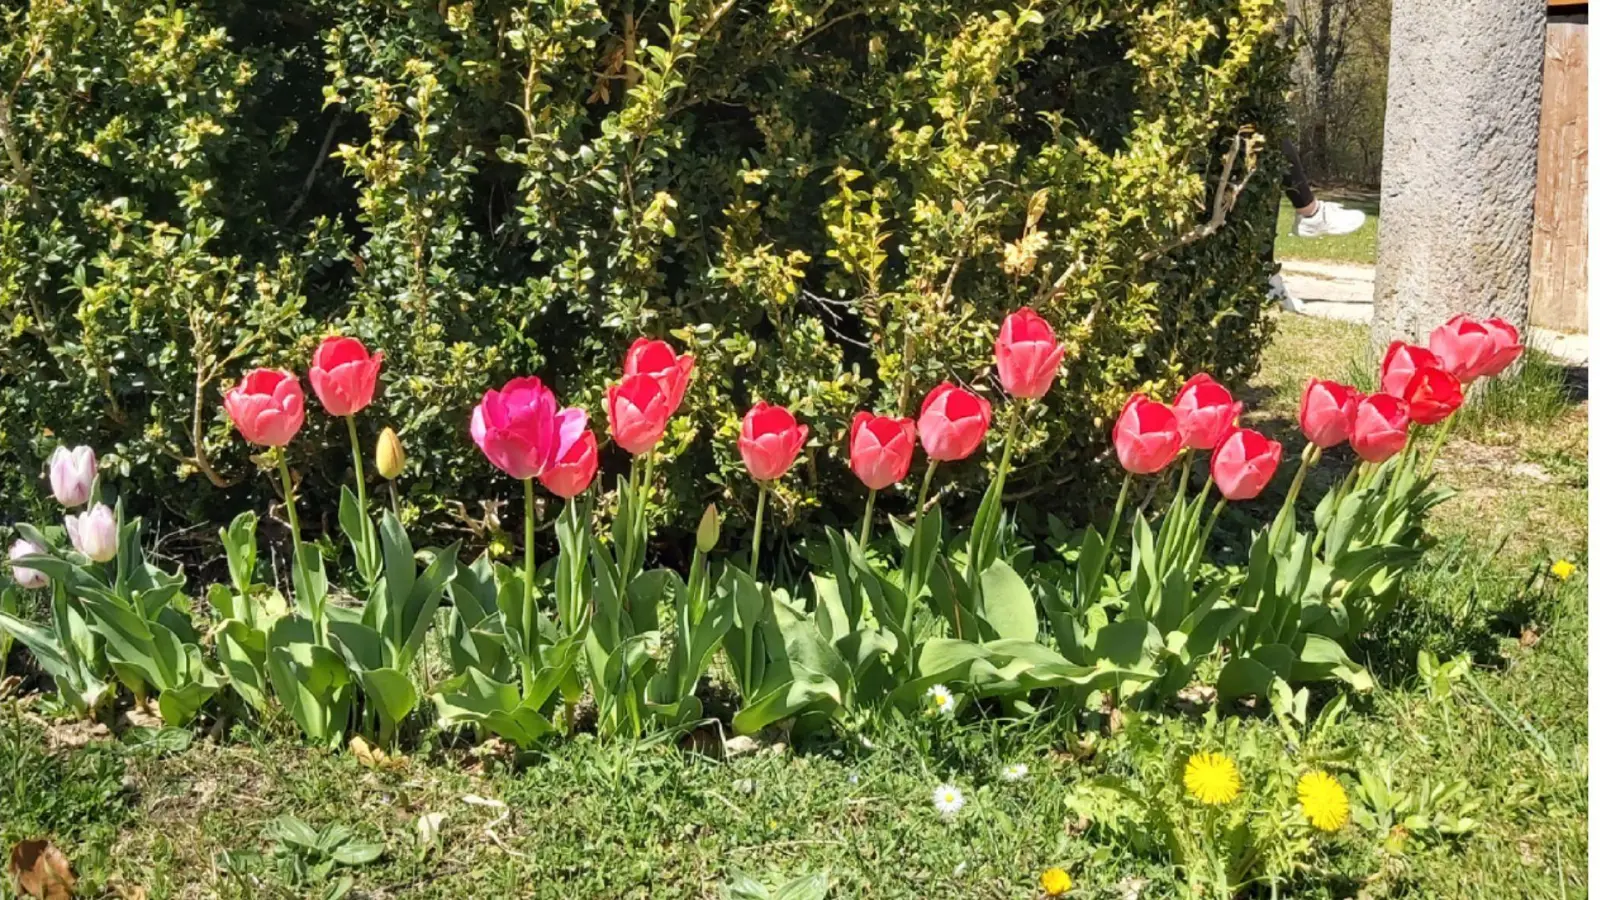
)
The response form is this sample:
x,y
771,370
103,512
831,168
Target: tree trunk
x,y
1459,162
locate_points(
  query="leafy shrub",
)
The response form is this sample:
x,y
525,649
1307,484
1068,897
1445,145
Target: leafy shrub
x,y
830,204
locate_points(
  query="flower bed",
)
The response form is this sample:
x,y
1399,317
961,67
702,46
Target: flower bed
x,y
919,618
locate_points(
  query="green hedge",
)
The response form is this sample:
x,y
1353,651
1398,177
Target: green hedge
x,y
800,192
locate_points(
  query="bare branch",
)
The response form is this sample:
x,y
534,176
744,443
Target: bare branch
x,y
311,176
1221,204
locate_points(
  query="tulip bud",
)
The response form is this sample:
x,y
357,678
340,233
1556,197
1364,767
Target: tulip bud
x,y
391,455
31,579
94,533
705,537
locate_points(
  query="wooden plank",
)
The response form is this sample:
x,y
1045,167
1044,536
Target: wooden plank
x,y
1567,5
1560,276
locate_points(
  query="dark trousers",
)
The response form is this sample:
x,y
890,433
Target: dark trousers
x,y
1295,183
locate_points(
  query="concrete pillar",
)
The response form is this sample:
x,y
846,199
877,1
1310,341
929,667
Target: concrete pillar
x,y
1460,153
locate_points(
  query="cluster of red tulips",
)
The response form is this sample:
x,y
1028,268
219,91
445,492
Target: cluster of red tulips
x,y
1422,385
524,431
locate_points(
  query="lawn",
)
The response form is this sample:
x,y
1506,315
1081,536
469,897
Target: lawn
x,y
592,819
1360,246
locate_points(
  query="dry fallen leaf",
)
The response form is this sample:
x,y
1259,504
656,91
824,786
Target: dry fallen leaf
x,y
140,716
40,870
428,828
372,757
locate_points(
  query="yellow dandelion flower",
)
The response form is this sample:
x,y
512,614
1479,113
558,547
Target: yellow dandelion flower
x,y
1055,882
1211,778
1562,569
1322,797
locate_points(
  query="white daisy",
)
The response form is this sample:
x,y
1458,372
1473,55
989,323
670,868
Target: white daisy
x,y
942,701
947,799
1014,772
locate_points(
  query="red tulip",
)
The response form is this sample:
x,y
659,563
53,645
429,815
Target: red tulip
x,y
268,407
1432,395
1205,411
1146,436
881,449
1027,355
1326,411
1400,363
577,456
657,359
1507,346
1244,462
1378,430
638,407
1465,347
343,375
517,428
769,440
953,422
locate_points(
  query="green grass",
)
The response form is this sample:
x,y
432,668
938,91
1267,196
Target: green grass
x,y
1360,246
618,820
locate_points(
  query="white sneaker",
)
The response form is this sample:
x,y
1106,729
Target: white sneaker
x,y
1277,290
1329,219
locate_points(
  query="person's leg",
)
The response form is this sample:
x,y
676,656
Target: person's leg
x,y
1314,218
1295,183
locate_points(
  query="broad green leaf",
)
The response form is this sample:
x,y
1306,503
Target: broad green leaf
x,y
1008,605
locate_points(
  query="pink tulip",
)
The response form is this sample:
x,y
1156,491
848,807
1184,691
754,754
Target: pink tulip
x,y
577,460
1379,428
638,407
1146,436
769,441
1327,409
1027,355
72,474
344,376
1507,346
1399,363
1432,395
881,448
1465,347
30,579
657,359
268,407
518,429
953,423
94,533
1205,411
1244,462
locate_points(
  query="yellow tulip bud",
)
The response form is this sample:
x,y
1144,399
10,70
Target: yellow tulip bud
x,y
391,456
710,529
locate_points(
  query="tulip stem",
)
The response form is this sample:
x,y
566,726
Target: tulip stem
x,y
361,477
530,637
1308,458
1438,442
922,495
755,541
980,553
394,500
1116,513
866,520
643,505
1216,513
294,530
